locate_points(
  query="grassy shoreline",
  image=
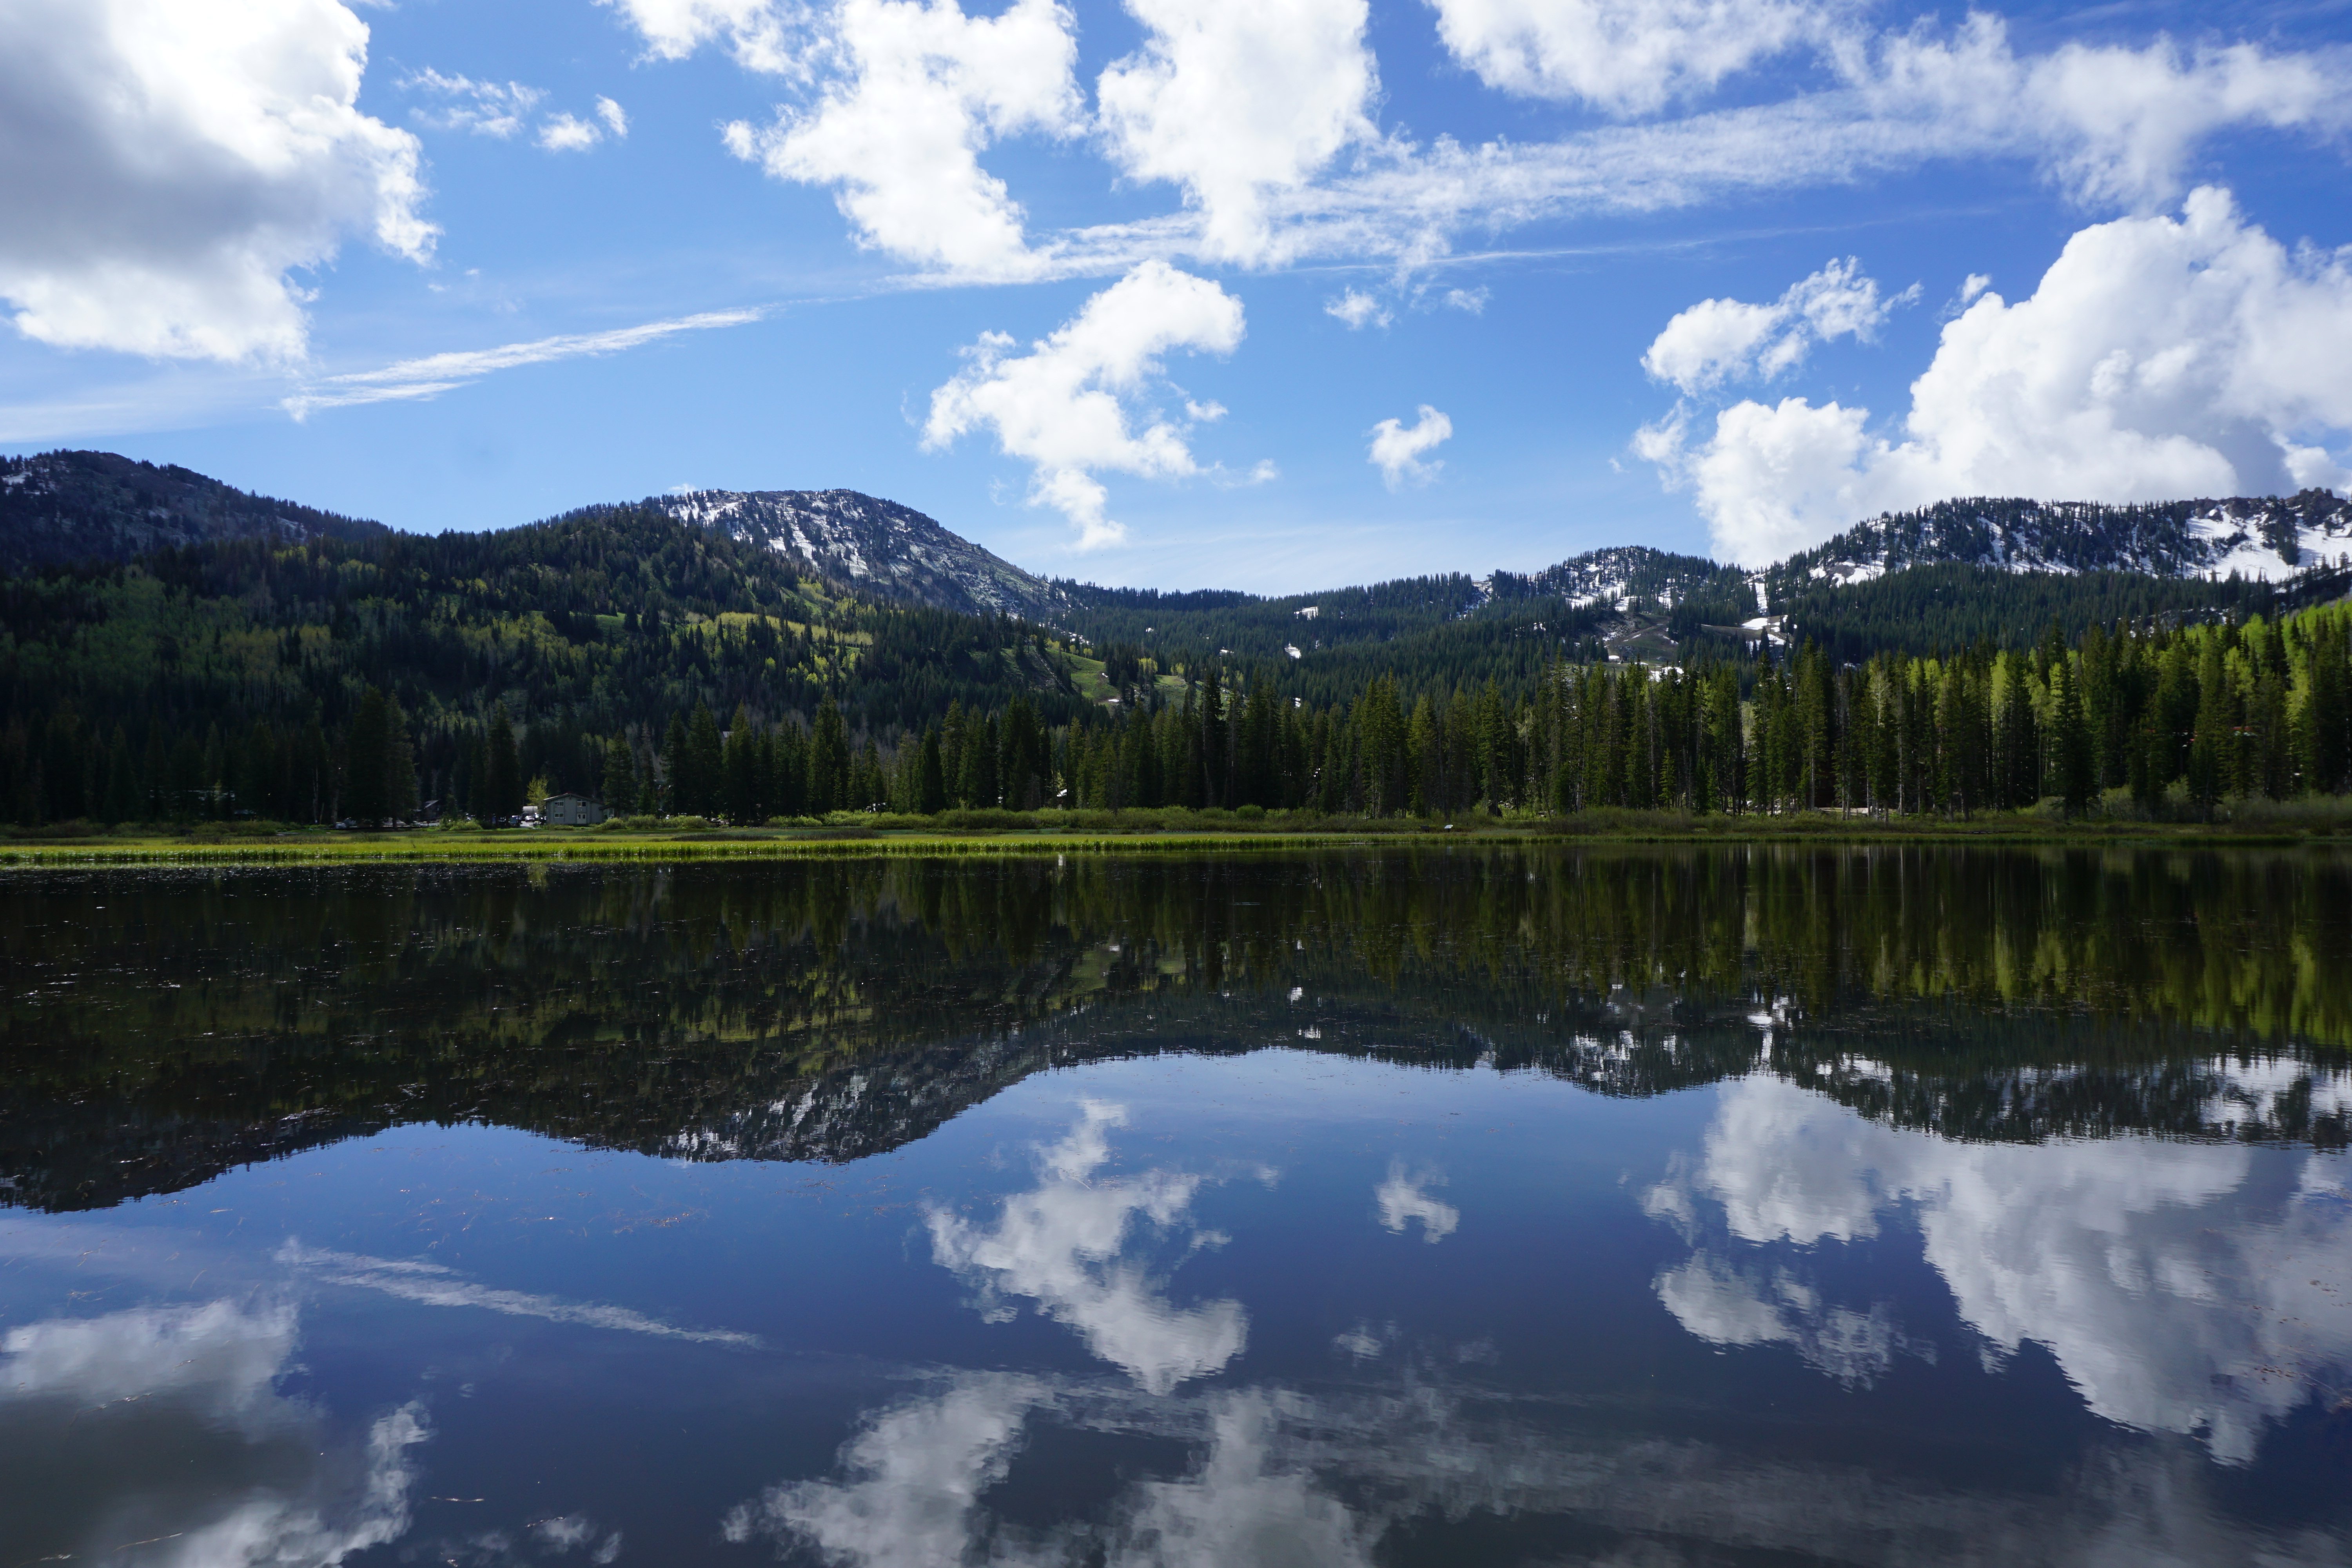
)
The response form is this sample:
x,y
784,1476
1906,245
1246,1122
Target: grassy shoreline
x,y
1105,833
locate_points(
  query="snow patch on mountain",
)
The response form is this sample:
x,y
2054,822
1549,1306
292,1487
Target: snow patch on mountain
x,y
2270,537
860,542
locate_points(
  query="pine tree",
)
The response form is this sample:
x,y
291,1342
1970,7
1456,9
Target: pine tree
x,y
2210,741
620,777
503,782
828,762
367,761
703,763
399,763
678,768
742,766
931,782
2328,710
2069,739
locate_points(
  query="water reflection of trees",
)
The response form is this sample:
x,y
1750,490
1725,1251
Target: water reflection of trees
x,y
158,1029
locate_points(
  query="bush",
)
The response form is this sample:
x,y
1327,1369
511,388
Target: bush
x,y
75,828
985,817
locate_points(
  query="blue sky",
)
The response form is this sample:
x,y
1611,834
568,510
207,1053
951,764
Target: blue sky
x,y
1180,292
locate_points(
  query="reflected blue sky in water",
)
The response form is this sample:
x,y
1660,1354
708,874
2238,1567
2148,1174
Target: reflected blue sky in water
x,y
1118,1276
1279,1309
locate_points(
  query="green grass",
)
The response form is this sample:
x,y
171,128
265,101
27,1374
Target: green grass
x,y
1171,830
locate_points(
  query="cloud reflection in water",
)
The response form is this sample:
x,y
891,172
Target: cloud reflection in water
x,y
2184,1287
1403,1201
98,1397
1061,1245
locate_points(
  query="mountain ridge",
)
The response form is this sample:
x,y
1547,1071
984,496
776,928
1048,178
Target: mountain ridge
x,y
66,508
2266,537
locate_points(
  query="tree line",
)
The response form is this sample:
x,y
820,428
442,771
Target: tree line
x,y
664,669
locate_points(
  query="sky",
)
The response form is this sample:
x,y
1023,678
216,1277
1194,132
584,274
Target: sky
x,y
1277,295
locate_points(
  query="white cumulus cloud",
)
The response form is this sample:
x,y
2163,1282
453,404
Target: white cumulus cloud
x,y
1064,406
2159,356
1717,341
569,133
1358,309
1230,102
760,33
1397,447
165,163
914,94
1624,56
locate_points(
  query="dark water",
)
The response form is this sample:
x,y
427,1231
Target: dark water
x,y
1627,1208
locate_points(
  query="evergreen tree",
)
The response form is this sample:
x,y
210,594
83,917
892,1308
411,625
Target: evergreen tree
x,y
743,770
677,766
502,780
620,777
931,782
788,772
2211,739
867,788
697,787
828,761
2328,710
122,793
2071,764
367,761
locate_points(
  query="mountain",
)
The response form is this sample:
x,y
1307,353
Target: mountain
x,y
70,507
66,508
2266,537
862,542
1611,576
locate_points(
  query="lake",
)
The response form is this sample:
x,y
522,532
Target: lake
x,y
1764,1206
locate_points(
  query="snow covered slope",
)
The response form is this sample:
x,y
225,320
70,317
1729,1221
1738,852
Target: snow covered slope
x,y
2268,537
876,546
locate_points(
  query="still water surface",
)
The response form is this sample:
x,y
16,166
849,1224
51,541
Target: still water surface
x,y
1709,1206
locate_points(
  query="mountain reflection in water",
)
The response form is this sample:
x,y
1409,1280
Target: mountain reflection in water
x,y
1619,1207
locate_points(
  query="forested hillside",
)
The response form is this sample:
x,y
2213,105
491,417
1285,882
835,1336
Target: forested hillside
x,y
229,677
1636,604
660,663
67,508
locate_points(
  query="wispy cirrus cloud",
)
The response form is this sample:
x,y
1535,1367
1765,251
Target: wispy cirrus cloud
x,y
432,374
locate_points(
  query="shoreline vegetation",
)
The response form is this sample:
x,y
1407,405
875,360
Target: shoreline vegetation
x,y
2250,824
